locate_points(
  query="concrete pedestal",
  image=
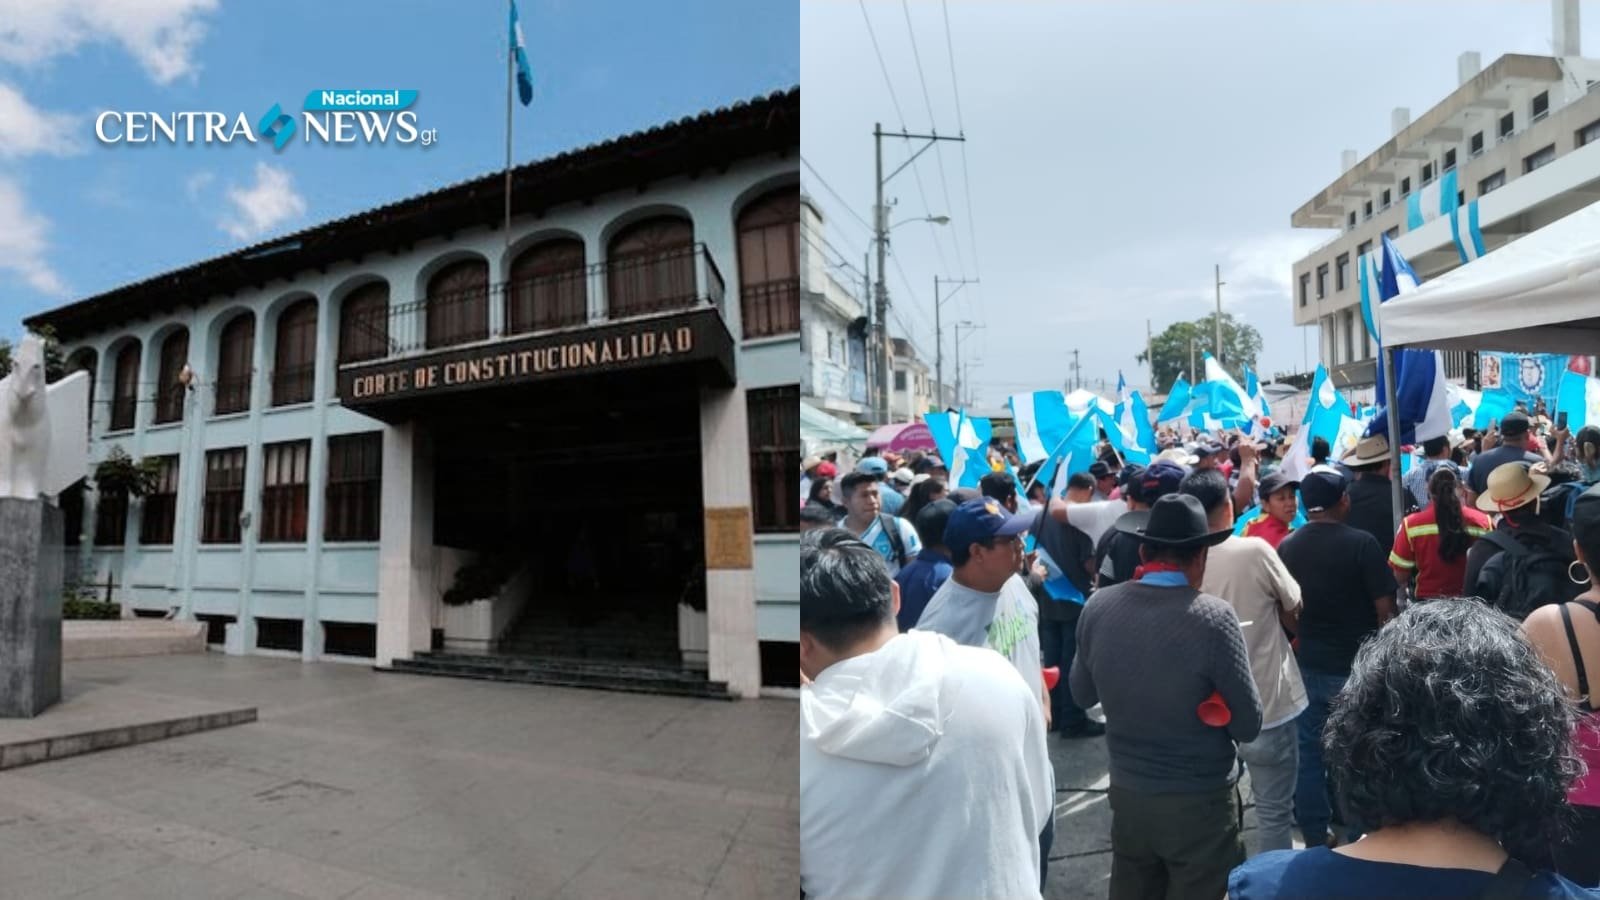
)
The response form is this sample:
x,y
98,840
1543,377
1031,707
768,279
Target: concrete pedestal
x,y
31,565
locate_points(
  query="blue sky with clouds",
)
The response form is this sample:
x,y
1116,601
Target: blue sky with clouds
x,y
78,217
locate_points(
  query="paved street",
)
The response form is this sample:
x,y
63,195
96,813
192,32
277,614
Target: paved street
x,y
365,785
1081,858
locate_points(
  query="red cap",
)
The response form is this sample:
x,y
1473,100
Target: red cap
x,y
827,470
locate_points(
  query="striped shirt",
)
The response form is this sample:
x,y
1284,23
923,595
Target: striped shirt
x,y
1416,549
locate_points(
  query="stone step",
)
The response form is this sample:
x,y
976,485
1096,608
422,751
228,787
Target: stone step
x,y
111,638
566,673
590,666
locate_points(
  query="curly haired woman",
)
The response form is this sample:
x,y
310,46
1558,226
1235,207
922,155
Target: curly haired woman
x,y
1453,739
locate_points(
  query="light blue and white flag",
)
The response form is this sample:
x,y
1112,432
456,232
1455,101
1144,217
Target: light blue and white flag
x,y
519,50
1368,272
1177,405
1432,201
1041,420
966,456
1466,234
1579,399
1141,422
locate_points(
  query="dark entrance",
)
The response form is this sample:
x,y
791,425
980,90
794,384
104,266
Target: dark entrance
x,y
590,488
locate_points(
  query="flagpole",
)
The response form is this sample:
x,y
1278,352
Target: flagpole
x,y
511,77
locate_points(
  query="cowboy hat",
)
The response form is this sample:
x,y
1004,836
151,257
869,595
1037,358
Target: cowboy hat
x,y
1369,451
1176,520
1178,455
1511,486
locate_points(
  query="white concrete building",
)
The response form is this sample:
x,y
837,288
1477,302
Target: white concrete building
x,y
591,424
911,383
832,328
1522,137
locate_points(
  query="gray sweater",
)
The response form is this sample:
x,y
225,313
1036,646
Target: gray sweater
x,y
1149,656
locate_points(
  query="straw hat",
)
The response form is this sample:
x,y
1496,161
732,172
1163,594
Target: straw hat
x,y
1512,486
1369,451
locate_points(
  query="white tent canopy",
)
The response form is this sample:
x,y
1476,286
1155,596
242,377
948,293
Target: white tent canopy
x,y
1537,294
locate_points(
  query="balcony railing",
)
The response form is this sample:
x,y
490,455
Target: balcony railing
x,y
293,384
771,307
613,291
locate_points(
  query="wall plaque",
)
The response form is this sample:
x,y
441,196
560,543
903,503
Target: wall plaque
x,y
728,538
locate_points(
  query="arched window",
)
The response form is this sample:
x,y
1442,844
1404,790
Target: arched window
x,y
769,264
650,267
364,324
294,367
85,361
234,364
169,392
458,304
125,390
547,287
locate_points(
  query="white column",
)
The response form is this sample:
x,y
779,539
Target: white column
x,y
405,547
311,637
734,655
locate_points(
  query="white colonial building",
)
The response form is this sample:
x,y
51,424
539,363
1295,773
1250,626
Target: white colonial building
x,y
588,427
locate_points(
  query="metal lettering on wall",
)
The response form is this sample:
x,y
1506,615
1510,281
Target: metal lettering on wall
x,y
509,362
728,538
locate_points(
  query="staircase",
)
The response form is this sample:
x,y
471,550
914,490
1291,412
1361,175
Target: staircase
x,y
616,652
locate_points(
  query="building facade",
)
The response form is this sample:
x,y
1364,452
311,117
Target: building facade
x,y
1522,138
596,411
832,328
911,383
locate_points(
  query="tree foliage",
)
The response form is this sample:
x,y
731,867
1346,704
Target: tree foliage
x,y
1241,344
55,364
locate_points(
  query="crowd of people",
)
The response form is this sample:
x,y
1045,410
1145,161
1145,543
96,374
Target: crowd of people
x,y
1411,705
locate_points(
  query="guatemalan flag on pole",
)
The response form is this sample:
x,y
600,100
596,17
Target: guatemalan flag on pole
x,y
519,53
1421,394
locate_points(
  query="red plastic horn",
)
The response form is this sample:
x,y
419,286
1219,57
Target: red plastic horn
x,y
1052,677
1214,711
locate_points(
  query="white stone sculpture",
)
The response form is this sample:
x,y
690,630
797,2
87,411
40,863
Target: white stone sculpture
x,y
44,442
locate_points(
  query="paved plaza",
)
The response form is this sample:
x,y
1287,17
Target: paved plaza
x,y
367,785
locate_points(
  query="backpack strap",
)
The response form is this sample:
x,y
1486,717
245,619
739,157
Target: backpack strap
x,y
1509,883
891,530
1506,541
1577,658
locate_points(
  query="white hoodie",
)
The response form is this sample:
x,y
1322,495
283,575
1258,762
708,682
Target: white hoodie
x,y
918,765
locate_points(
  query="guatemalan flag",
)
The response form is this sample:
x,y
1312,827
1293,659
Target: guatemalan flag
x,y
1421,391
963,443
1177,405
1434,200
1465,232
520,52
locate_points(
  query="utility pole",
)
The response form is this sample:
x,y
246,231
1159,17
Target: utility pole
x,y
938,331
1220,360
970,327
866,303
1150,355
1191,359
880,222
1077,372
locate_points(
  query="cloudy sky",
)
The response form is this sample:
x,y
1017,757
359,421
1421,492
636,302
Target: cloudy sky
x,y
78,217
1116,151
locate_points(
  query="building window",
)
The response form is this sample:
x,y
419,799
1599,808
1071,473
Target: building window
x,y
1349,336
1588,133
1305,287
285,491
1352,222
355,486
279,634
161,505
224,497
458,304
1364,248
774,415
1405,186
1341,271
1427,173
769,264
650,268
169,391
1475,145
71,501
1493,181
900,380
235,365
294,368
1539,158
548,287
1507,124
1541,105
1386,200
1461,198
1367,210
1450,159
1322,281
111,518
1393,232
125,390
364,324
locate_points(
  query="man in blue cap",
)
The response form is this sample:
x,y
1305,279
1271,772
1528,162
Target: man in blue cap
x,y
890,499
985,602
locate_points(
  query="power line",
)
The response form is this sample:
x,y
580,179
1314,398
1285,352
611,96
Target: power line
x,y
829,188
961,128
882,66
938,151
